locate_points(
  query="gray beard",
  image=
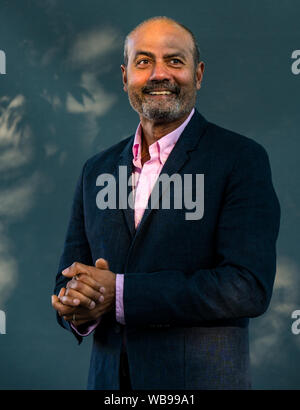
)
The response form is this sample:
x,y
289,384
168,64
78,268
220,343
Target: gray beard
x,y
160,112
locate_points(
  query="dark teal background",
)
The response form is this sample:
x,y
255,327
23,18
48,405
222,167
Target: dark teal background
x,y
61,101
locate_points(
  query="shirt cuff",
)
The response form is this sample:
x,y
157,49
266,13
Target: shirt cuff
x,y
119,298
86,330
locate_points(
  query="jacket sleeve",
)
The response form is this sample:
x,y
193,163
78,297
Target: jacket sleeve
x,y
76,247
240,284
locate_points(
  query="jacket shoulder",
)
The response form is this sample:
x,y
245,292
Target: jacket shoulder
x,y
108,157
232,142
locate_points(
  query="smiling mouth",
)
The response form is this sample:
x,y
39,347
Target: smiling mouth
x,y
160,93
164,92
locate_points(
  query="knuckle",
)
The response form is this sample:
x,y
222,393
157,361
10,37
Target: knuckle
x,y
73,284
92,281
78,284
88,302
92,304
71,292
84,277
67,295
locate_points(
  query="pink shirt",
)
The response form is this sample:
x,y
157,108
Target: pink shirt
x,y
144,178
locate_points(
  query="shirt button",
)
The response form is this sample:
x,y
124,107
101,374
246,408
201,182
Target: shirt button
x,y
117,328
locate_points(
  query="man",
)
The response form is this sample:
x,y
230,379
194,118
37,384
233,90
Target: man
x,y
169,295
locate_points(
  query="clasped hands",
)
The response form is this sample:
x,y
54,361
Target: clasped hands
x,y
88,295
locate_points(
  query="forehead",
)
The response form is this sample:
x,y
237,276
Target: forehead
x,y
160,37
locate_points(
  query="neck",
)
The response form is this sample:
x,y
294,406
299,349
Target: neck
x,y
153,131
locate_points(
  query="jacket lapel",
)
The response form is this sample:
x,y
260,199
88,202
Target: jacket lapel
x,y
179,155
123,172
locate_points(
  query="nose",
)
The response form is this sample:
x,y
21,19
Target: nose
x,y
159,72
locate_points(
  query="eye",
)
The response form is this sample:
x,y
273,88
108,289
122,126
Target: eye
x,y
175,61
144,61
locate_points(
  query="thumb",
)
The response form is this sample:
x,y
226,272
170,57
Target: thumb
x,y
54,299
102,264
61,293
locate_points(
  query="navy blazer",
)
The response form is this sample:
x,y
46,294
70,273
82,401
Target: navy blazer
x,y
190,286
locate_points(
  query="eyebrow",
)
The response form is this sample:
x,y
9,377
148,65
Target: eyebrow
x,y
151,55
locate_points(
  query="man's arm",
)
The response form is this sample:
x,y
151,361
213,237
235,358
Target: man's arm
x,y
76,247
240,285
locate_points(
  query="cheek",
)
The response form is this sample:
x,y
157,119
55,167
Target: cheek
x,y
186,80
138,80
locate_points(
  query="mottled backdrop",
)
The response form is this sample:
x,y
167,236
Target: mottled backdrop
x,y
61,101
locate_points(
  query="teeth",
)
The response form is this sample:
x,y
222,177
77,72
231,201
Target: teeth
x,y
160,92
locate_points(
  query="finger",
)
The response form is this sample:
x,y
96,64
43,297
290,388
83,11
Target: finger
x,y
61,308
70,318
54,300
102,264
75,298
61,292
88,280
75,269
84,292
70,301
91,282
81,314
87,315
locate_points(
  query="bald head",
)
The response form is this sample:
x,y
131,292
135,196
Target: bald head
x,y
155,21
162,72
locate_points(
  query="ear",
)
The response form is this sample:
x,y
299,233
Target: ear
x,y
124,77
199,74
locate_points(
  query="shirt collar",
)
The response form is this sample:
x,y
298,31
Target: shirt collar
x,y
160,148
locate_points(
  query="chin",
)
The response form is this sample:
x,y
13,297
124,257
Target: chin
x,y
163,115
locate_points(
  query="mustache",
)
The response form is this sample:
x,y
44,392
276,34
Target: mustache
x,y
160,86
